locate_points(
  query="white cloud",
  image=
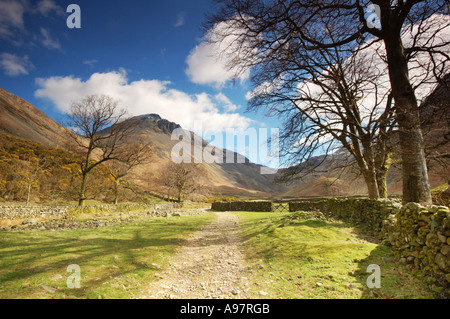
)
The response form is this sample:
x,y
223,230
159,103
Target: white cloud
x,y
141,97
14,65
11,17
44,7
181,19
91,63
225,102
12,20
48,41
209,62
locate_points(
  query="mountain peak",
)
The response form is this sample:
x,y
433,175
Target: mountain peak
x,y
164,125
150,116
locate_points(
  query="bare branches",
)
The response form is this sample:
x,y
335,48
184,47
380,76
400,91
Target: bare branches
x,y
102,135
182,178
334,78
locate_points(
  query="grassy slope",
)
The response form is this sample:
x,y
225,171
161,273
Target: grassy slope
x,y
115,262
306,258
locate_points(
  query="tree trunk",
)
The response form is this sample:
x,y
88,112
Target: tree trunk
x,y
371,182
28,193
82,198
382,185
416,187
382,165
116,190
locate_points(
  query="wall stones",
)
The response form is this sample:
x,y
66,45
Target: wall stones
x,y
419,236
367,214
260,206
61,217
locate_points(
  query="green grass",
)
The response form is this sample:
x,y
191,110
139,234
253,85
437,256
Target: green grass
x,y
307,258
115,262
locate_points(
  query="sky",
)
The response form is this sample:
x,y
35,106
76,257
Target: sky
x,y
149,55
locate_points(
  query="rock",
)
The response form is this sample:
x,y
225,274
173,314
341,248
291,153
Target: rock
x,y
49,289
263,293
57,277
235,292
441,238
388,260
442,262
445,250
29,221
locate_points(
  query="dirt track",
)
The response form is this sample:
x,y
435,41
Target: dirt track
x,y
208,265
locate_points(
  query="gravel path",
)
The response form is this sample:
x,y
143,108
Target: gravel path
x,y
209,265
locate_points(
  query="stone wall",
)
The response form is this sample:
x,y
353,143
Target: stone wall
x,y
18,212
420,237
12,212
260,206
60,218
367,214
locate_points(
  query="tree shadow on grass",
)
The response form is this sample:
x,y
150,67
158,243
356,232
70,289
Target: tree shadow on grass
x,y
28,257
395,280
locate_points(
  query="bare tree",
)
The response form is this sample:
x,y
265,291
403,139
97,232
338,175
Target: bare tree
x,y
183,178
98,137
279,40
135,153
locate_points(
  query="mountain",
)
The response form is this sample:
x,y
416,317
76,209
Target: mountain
x,y
22,119
238,179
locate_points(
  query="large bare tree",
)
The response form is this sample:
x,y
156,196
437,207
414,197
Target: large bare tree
x,y
97,134
279,40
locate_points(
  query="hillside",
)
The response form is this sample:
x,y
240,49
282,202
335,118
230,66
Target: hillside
x,y
222,178
21,119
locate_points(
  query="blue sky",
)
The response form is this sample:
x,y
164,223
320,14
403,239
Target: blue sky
x,y
147,54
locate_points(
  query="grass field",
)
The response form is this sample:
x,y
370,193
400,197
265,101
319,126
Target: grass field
x,y
291,255
307,258
115,262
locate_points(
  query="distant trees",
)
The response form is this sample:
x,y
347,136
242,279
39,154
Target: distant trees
x,y
135,154
98,135
298,53
29,171
182,178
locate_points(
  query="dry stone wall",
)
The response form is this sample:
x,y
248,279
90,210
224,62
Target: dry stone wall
x,y
418,236
368,214
260,206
